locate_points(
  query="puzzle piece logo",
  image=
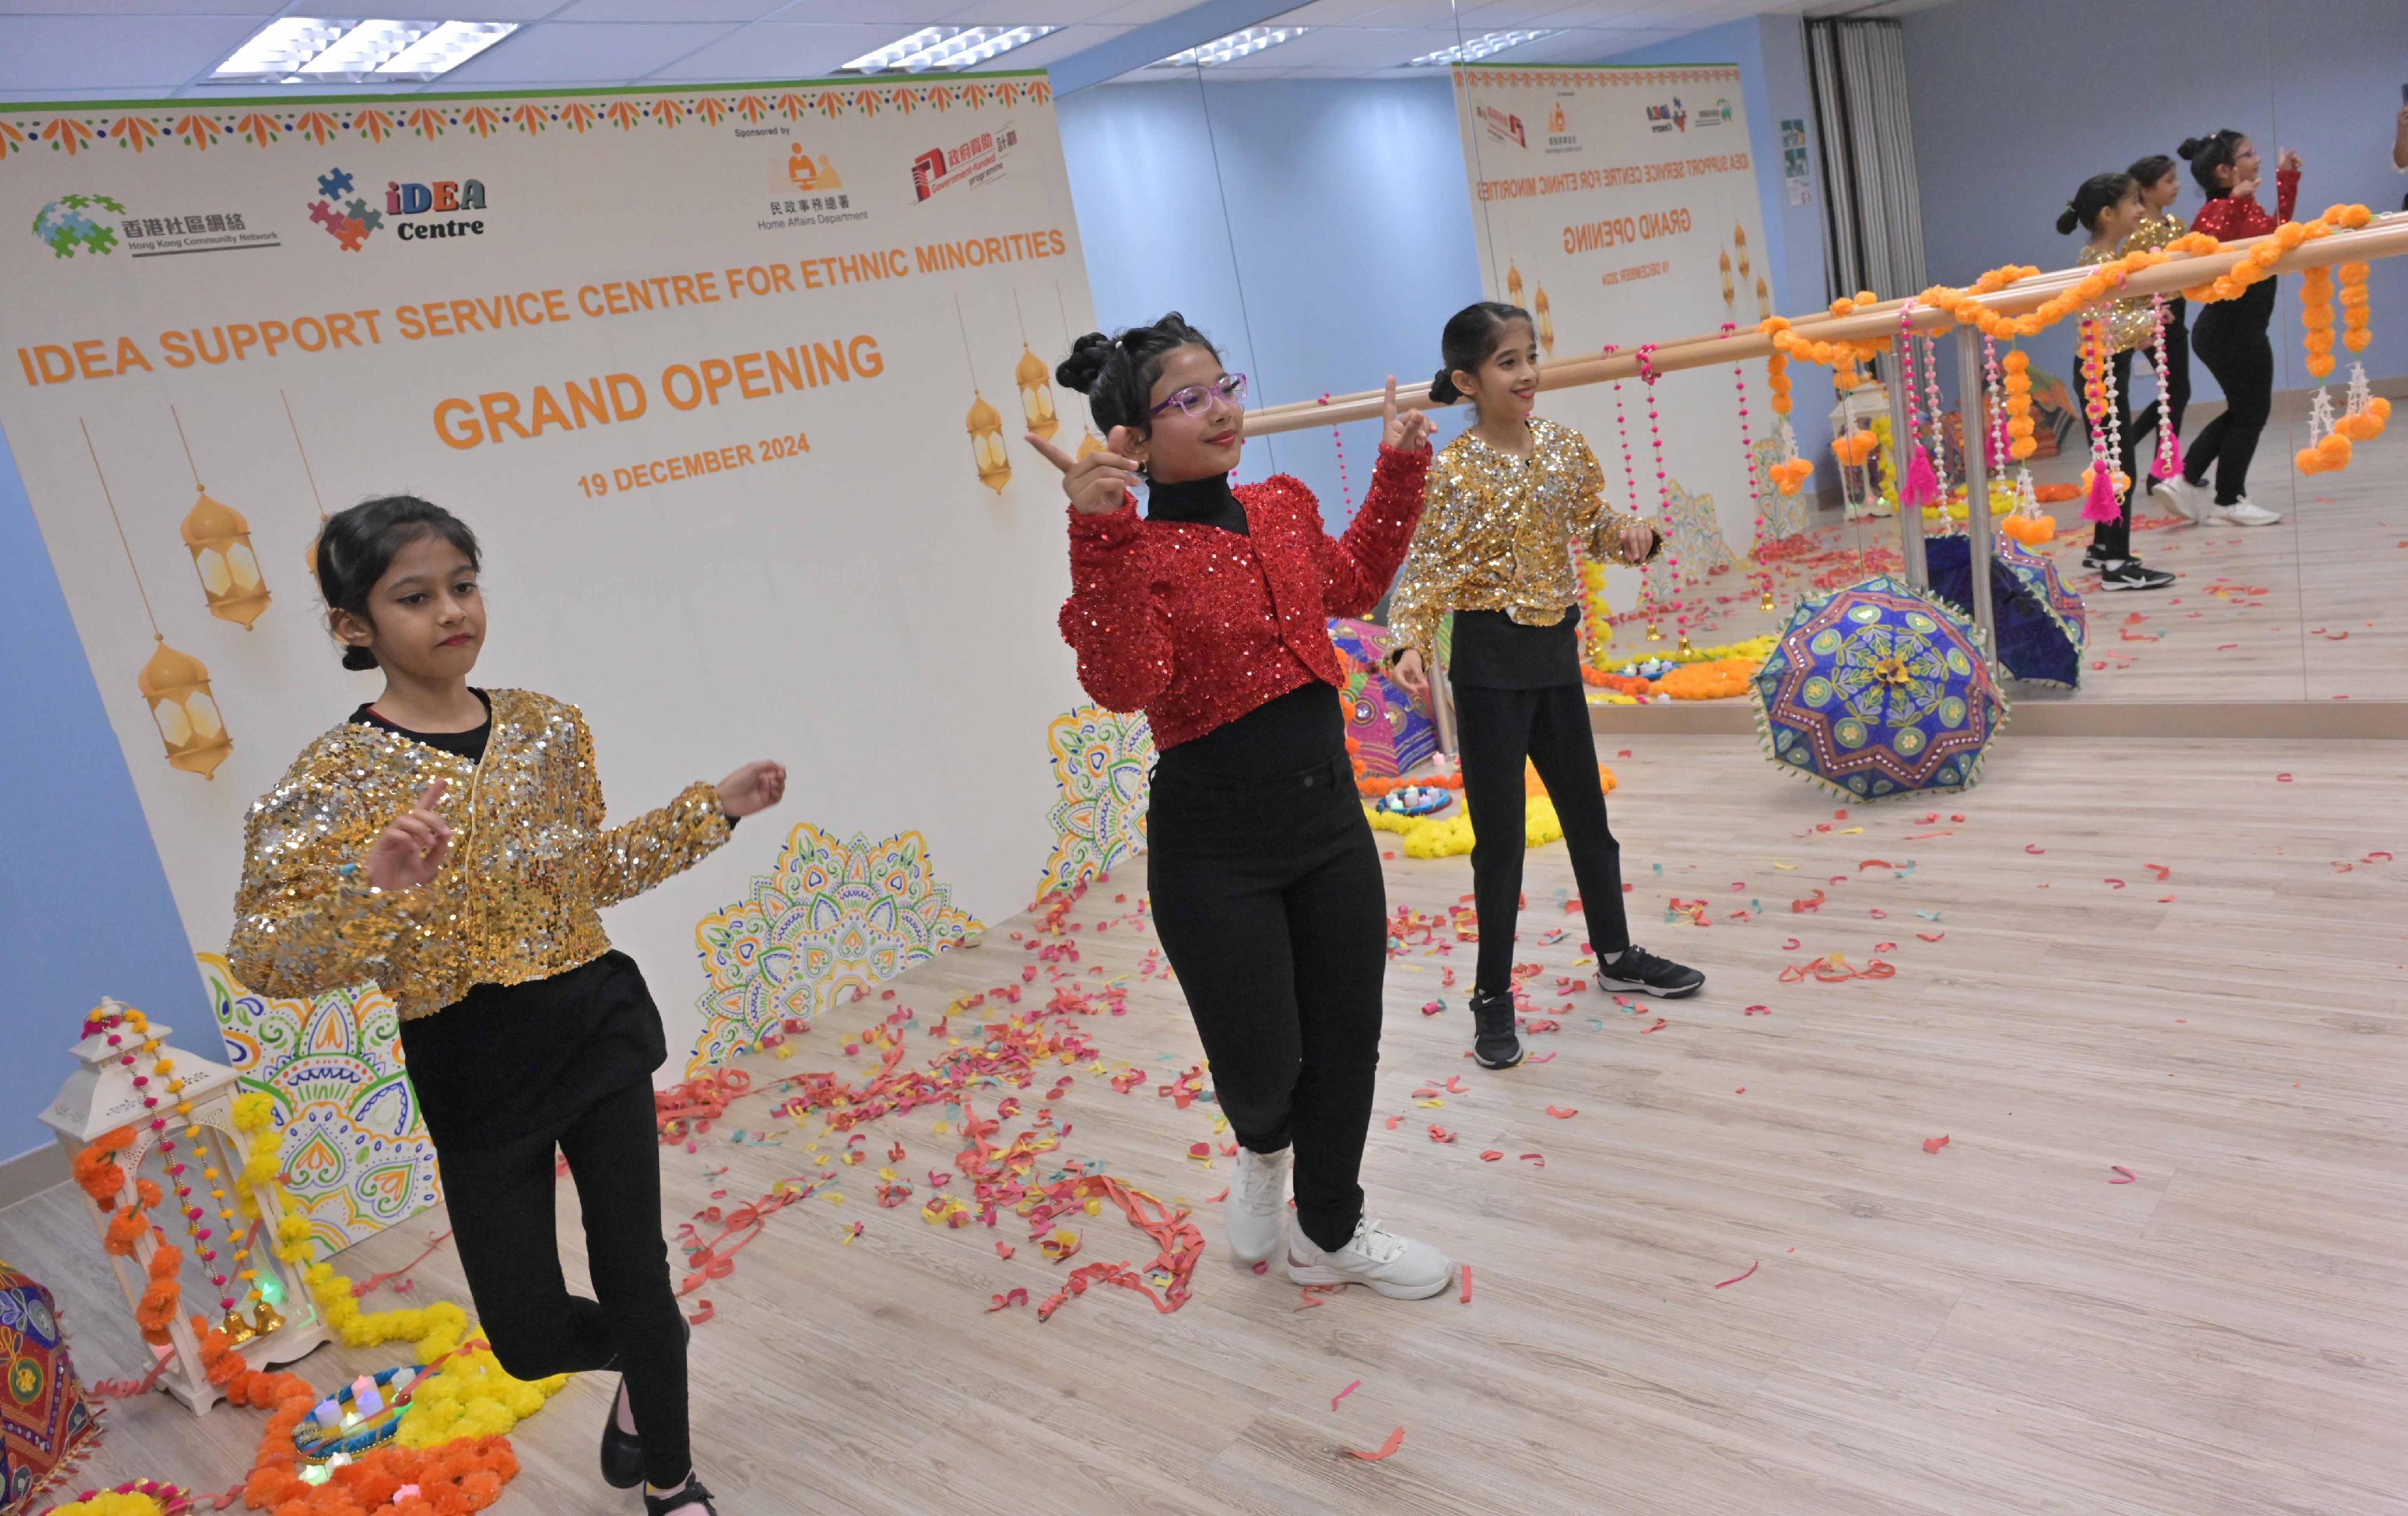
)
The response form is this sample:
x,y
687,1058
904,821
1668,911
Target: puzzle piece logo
x,y
68,225
348,224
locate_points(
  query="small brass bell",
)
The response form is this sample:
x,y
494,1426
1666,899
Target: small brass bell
x,y
1685,641
237,1331
265,1320
1654,634
1768,606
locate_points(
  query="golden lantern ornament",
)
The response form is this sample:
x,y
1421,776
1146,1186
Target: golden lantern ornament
x,y
1728,295
219,541
1035,394
1763,299
986,443
177,685
1546,321
1513,284
1089,442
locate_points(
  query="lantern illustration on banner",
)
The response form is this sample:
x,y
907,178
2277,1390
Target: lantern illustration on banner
x,y
1739,240
1728,295
1035,383
1546,321
1513,282
177,685
1088,441
1763,300
218,539
173,683
984,422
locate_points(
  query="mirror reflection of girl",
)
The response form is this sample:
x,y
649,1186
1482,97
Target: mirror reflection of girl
x,y
2230,334
1505,500
447,843
2108,207
2159,185
1210,614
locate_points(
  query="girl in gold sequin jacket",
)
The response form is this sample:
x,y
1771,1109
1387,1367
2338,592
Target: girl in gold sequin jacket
x,y
447,843
1503,504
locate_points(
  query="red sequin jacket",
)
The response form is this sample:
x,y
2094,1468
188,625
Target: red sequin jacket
x,y
1196,626
2230,218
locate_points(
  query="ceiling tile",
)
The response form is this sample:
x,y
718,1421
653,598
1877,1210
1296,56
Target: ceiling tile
x,y
1027,12
259,9
655,10
782,50
150,52
1048,51
598,53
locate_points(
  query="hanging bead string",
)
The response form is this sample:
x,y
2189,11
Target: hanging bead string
x,y
1905,439
2167,462
1648,375
1748,447
1995,432
1932,412
1337,441
119,1028
1622,426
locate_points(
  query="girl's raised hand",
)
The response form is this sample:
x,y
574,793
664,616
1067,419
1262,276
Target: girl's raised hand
x,y
1099,484
2289,163
754,787
1408,430
1639,541
410,850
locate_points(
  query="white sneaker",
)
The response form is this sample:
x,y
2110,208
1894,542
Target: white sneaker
x,y
1376,1257
2241,513
2187,499
1257,1213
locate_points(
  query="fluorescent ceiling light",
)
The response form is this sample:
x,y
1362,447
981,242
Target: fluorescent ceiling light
x,y
305,49
1236,45
1477,47
945,47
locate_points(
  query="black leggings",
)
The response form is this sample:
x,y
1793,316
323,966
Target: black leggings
x,y
501,1204
2167,408
1498,729
2231,340
1270,907
2114,540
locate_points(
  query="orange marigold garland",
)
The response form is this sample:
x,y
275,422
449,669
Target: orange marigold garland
x,y
1790,474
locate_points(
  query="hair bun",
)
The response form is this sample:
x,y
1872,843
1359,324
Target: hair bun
x,y
1442,388
2193,146
358,658
1085,364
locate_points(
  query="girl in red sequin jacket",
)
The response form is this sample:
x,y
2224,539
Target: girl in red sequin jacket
x,y
1210,613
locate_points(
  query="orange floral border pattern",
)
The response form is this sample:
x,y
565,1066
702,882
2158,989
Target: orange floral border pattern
x,y
1602,76
322,121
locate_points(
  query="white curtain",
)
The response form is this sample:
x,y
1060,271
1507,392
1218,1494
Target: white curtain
x,y
1872,223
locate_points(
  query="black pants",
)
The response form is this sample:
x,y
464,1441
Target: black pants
x,y
1498,729
1270,907
2114,540
2166,409
2231,341
501,1205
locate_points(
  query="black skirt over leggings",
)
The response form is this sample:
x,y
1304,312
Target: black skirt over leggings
x,y
1268,897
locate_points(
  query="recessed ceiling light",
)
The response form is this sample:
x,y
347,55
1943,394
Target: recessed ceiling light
x,y
1477,47
945,47
1236,45
306,49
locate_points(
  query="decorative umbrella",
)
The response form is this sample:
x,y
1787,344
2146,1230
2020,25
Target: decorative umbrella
x,y
2041,625
1875,689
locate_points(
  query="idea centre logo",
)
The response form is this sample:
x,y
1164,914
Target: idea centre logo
x,y
350,220
1668,118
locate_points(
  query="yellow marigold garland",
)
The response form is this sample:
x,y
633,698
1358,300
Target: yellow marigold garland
x,y
2355,335
469,1395
2317,317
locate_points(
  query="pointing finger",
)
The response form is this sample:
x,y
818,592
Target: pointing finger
x,y
1051,454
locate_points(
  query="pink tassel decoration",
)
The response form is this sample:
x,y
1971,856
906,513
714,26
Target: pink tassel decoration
x,y
1921,485
2103,505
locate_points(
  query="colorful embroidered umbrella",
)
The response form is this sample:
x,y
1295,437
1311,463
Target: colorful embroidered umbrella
x,y
2041,625
1874,690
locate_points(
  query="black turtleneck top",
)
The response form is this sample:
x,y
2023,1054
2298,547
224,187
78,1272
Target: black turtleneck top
x,y
1302,729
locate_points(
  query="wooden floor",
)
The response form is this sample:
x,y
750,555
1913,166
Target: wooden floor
x,y
1998,1326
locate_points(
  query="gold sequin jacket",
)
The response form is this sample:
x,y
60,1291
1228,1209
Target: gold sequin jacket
x,y
1495,533
531,864
2130,322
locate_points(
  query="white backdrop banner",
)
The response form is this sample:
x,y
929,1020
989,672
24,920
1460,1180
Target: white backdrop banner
x,y
1619,205
731,383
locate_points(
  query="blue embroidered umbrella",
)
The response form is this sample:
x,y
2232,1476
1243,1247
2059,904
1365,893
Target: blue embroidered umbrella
x,y
2040,623
1874,690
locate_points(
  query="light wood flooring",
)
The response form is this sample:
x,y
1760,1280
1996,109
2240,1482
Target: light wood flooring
x,y
1995,1327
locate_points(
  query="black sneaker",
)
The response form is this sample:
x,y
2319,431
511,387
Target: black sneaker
x,y
2093,558
1495,1043
1642,972
2131,574
686,1498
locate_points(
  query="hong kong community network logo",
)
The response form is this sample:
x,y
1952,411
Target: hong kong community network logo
x,y
100,224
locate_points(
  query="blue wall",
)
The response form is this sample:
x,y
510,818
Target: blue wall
x,y
84,908
1347,240
2016,102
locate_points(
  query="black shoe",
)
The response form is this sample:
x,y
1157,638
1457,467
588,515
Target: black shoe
x,y
2131,575
1495,1044
691,1493
1643,972
2093,558
622,1453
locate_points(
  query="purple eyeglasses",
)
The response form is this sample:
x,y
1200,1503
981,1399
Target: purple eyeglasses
x,y
1195,399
